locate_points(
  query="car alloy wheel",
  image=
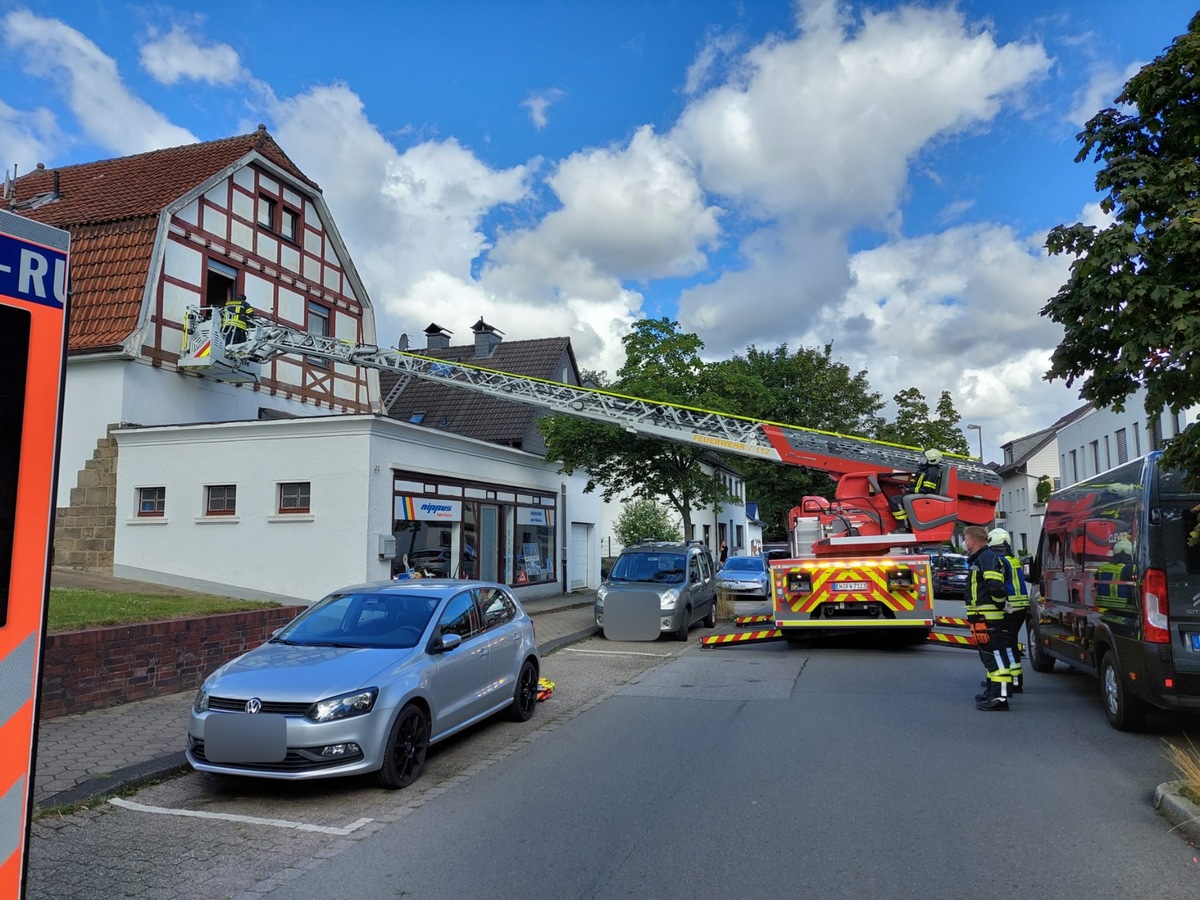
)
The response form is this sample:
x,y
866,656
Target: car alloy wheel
x,y
525,698
404,755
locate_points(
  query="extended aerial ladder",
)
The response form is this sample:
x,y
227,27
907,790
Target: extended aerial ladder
x,y
871,472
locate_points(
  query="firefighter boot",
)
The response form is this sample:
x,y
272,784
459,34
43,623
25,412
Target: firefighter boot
x,y
995,700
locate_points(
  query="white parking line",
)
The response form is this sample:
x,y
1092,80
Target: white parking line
x,y
615,652
250,820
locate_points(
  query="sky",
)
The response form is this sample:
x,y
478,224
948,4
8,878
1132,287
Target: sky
x,y
876,175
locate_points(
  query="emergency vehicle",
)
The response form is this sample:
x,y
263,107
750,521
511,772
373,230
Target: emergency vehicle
x,y
849,567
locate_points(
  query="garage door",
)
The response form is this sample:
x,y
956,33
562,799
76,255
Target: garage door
x,y
579,563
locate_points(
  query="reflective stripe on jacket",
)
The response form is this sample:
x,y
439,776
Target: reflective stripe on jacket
x,y
1014,583
986,594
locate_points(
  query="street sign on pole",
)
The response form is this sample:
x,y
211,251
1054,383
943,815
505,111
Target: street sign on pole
x,y
33,328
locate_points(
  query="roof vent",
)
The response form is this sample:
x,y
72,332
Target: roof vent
x,y
487,339
437,337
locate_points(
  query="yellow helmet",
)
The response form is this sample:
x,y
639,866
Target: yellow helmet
x,y
998,537
933,456
1123,547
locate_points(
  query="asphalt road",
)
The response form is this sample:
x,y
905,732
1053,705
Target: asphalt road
x,y
662,770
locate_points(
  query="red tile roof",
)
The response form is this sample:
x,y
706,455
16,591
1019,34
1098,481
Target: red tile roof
x,y
111,207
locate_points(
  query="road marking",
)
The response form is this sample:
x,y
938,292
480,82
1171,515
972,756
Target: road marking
x,y
616,653
249,820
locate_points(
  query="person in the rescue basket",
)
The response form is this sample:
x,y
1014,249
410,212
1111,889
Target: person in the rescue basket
x,y
1018,603
236,316
927,481
986,600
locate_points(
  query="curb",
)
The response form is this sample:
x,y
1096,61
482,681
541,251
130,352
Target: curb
x,y
1182,813
558,643
114,782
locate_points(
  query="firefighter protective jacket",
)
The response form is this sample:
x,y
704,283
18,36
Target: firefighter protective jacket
x,y
1014,583
986,594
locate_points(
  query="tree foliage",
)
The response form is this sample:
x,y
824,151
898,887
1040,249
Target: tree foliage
x,y
806,388
660,364
916,427
1129,309
644,520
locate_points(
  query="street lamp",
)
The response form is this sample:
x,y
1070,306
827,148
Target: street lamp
x,y
978,428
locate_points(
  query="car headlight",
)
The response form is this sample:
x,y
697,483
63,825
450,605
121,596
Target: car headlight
x,y
601,593
343,707
200,704
668,599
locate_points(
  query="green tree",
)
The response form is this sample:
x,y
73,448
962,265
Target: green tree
x,y
660,364
643,519
915,427
807,388
1129,311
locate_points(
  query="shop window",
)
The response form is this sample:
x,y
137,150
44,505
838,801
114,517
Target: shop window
x,y
294,497
220,500
152,501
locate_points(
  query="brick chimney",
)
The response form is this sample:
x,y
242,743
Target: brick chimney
x,y
487,339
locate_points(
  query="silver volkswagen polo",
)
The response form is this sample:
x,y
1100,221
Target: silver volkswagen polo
x,y
365,680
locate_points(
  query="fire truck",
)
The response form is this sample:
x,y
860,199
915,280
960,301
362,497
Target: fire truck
x,y
850,568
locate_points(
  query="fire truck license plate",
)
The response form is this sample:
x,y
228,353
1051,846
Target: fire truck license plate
x,y
851,586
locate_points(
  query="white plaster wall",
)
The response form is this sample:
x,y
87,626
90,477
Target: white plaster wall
x,y
92,400
1101,423
349,462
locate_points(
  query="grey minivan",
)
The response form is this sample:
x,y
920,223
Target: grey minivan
x,y
1118,589
658,587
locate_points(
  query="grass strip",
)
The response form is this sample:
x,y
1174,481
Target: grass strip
x,y
74,608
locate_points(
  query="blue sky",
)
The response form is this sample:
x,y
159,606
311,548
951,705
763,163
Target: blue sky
x,y
878,175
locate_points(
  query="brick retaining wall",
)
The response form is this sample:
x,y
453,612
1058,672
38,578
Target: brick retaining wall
x,y
101,667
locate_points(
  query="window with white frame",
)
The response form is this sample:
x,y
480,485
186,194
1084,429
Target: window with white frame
x,y
152,501
220,500
295,497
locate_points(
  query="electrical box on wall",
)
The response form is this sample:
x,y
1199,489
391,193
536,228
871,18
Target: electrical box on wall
x,y
387,546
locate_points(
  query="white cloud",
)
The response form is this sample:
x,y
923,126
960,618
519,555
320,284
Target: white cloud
x,y
177,56
717,47
1100,92
633,212
538,102
28,138
89,81
829,122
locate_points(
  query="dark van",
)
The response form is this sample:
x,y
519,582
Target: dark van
x,y
1117,589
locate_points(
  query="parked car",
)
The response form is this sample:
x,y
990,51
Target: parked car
x,y
744,576
950,575
434,561
775,551
365,680
672,585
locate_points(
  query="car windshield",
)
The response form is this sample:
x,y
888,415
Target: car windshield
x,y
743,564
954,562
374,619
660,568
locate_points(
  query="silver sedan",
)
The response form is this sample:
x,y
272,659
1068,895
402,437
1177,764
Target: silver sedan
x,y
744,576
365,680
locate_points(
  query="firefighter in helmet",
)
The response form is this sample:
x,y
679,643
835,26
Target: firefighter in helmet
x,y
928,480
986,600
236,317
1017,613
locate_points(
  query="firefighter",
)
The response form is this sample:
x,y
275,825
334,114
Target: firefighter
x,y
986,600
927,481
1018,602
236,316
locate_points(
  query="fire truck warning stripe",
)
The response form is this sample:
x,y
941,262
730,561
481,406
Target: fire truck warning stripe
x,y
752,620
955,640
738,637
951,622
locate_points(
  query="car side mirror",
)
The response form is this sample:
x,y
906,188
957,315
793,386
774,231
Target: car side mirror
x,y
443,643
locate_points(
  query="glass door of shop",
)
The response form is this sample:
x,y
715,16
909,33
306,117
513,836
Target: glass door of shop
x,y
489,543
